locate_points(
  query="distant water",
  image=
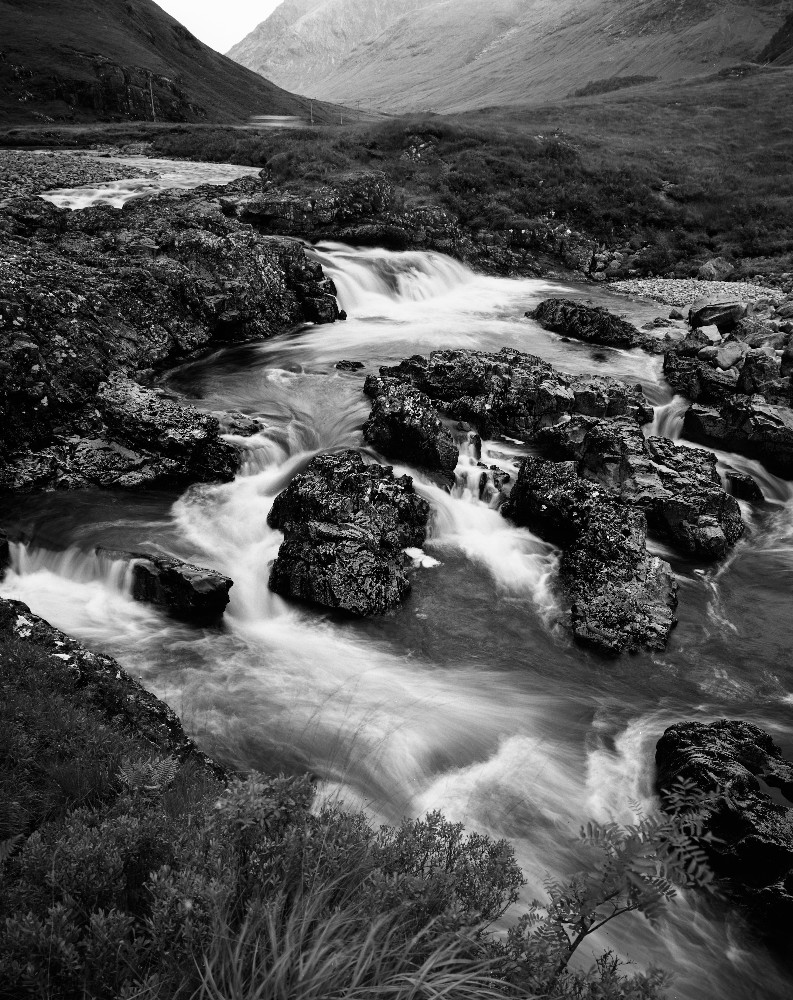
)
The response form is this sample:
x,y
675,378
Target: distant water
x,y
170,175
470,698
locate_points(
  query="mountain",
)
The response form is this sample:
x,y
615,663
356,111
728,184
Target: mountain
x,y
456,55
106,60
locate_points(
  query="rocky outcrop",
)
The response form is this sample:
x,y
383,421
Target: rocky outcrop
x,y
697,379
345,527
514,393
193,593
724,314
751,822
748,425
103,685
678,488
94,297
590,323
404,425
354,197
620,597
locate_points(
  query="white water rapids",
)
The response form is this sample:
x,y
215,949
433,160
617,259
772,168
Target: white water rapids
x,y
469,698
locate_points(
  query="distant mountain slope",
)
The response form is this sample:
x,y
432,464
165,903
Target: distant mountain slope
x,y
115,59
780,49
454,55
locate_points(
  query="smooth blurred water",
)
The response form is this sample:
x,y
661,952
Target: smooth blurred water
x,y
469,698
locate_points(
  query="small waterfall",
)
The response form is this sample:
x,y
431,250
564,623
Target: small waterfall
x,y
73,564
668,419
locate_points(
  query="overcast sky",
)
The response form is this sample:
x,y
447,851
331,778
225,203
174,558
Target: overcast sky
x,y
219,23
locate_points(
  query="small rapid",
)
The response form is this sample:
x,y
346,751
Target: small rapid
x,y
469,698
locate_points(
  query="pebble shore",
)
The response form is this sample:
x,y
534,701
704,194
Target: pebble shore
x,y
24,172
685,291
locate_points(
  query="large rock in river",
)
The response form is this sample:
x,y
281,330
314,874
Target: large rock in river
x,y
678,488
591,323
514,393
752,826
621,597
187,591
404,425
749,425
345,527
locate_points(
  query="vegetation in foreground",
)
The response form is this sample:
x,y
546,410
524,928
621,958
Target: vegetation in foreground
x,y
693,170
126,875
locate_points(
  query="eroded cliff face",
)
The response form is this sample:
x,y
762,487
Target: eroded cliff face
x,y
388,55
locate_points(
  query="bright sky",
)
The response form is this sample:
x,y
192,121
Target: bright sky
x,y
219,23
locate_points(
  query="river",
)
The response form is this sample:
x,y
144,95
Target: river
x,y
470,698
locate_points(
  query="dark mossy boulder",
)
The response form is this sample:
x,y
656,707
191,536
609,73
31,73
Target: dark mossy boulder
x,y
346,525
403,425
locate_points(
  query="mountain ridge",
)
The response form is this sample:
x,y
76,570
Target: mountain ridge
x,y
109,60
387,55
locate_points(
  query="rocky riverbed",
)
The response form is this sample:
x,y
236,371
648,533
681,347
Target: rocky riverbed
x,y
25,172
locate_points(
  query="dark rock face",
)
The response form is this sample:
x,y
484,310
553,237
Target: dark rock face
x,y
754,849
696,379
88,295
187,591
621,597
353,198
105,685
403,425
345,526
678,488
590,323
749,425
514,393
744,487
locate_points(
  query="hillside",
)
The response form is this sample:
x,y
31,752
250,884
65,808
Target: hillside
x,y
386,54
110,60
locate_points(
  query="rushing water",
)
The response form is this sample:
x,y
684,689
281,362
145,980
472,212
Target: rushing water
x,y
470,698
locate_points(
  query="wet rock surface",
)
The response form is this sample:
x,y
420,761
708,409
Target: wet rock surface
x,y
748,425
753,849
621,598
514,393
190,592
104,685
345,527
678,488
88,295
590,323
404,425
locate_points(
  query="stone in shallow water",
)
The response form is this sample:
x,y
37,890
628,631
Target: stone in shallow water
x,y
591,323
191,592
346,526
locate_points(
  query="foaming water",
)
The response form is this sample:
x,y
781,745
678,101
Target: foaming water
x,y
468,698
166,175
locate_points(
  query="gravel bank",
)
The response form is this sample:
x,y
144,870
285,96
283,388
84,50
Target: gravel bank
x,y
23,172
684,291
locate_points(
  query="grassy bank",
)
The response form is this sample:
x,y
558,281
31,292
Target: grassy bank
x,y
129,872
694,170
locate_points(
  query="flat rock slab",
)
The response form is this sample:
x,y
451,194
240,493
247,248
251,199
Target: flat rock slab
x,y
621,598
190,592
590,323
753,849
346,525
514,393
